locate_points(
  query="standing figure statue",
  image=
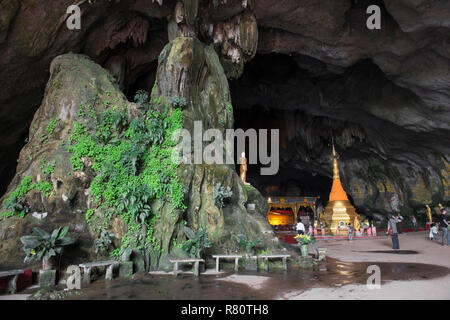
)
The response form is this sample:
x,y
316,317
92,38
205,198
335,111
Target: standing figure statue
x,y
429,213
356,224
243,168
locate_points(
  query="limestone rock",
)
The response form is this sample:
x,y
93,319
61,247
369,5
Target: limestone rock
x,y
75,79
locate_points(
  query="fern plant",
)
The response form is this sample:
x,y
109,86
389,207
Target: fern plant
x,y
103,242
141,98
135,200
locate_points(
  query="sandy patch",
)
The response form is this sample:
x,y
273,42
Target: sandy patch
x,y
254,282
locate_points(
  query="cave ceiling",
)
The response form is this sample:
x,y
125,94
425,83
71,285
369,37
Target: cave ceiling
x,y
312,57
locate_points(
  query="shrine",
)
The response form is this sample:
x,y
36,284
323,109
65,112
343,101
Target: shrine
x,y
339,212
284,211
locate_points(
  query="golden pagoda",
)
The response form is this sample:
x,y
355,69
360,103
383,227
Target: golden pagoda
x,y
339,211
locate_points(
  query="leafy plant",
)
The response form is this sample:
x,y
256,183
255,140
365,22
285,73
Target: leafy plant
x,y
176,101
43,246
248,244
52,125
45,187
89,213
103,242
14,202
156,131
141,98
196,243
47,168
221,193
135,201
109,121
14,205
129,158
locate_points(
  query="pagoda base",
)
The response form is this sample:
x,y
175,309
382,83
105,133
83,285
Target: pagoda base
x,y
337,213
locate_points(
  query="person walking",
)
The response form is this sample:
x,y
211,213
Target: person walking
x,y
414,222
434,232
350,231
444,226
392,230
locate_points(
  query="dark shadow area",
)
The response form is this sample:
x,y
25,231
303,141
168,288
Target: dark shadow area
x,y
392,251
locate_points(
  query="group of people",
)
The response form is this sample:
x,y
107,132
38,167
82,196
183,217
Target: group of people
x,y
395,227
301,228
445,225
394,222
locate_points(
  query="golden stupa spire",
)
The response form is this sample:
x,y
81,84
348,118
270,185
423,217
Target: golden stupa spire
x,y
339,210
335,163
337,191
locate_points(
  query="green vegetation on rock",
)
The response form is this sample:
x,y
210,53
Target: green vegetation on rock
x,y
196,243
220,194
13,202
132,160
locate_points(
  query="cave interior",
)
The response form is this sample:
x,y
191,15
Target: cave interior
x,y
306,96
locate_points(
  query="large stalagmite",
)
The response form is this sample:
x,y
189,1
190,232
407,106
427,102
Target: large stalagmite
x,y
55,192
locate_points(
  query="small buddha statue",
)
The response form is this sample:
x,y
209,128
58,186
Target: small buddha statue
x,y
243,168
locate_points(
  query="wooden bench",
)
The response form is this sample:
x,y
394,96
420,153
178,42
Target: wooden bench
x,y
12,283
195,261
111,265
227,256
266,257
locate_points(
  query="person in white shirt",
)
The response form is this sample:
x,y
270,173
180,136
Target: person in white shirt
x,y
300,227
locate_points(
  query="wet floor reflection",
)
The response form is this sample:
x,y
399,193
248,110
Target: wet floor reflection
x,y
329,274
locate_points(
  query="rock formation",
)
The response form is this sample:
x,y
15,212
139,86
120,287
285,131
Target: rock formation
x,y
293,65
62,179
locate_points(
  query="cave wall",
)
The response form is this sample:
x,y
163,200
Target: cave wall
x,y
385,91
389,143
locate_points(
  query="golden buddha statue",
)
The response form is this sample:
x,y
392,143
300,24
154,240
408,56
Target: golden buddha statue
x,y
243,170
429,213
339,209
